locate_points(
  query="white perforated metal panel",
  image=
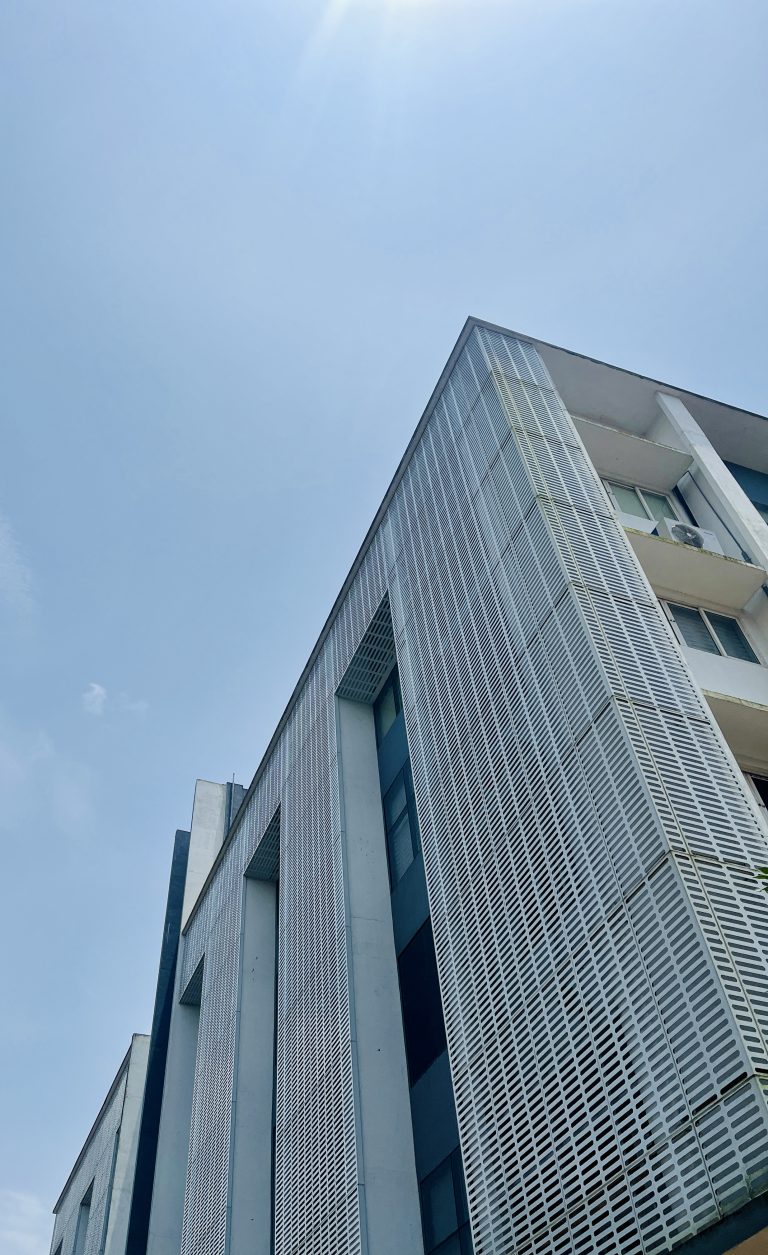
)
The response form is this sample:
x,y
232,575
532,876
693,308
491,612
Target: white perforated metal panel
x,y
95,1166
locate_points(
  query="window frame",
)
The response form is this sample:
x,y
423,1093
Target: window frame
x,y
751,777
392,683
408,811
704,616
677,511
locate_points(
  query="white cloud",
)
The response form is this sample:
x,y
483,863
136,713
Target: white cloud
x,y
94,699
25,1224
15,575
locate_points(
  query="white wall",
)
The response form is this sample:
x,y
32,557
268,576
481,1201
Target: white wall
x,y
388,1184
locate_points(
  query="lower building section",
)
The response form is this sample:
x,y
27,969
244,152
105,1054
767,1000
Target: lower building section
x,y
93,1210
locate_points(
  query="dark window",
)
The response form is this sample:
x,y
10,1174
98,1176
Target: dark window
x,y
438,1203
693,629
444,1208
761,784
732,640
713,633
423,1025
387,707
401,825
458,1244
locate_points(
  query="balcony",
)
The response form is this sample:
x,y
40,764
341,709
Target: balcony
x,y
618,455
737,693
681,573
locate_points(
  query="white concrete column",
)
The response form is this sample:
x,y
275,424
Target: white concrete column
x,y
206,836
207,832
250,1187
167,1214
125,1161
728,497
389,1192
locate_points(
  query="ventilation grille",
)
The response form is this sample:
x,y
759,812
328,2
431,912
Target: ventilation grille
x,y
265,864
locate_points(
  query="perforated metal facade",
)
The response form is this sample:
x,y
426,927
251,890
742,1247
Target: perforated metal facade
x,y
589,846
95,1168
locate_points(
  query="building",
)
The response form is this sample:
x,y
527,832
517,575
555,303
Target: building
x,y
479,964
93,1208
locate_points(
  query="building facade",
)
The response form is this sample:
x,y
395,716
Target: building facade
x,y
479,964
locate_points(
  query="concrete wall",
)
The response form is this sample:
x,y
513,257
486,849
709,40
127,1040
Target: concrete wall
x,y
125,1162
250,1205
167,1214
207,832
387,1168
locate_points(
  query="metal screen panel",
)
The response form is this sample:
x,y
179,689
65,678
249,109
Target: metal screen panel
x,y
588,848
97,1166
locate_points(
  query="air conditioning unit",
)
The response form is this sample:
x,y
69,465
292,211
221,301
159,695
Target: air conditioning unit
x,y
687,534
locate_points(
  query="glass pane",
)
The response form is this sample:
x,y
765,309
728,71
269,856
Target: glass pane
x,y
660,506
761,784
395,802
462,1211
439,1206
628,501
693,629
385,712
731,637
400,844
423,1025
450,1247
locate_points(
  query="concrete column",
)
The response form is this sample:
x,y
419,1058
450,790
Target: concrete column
x,y
125,1161
167,1214
250,1187
207,832
390,1213
728,497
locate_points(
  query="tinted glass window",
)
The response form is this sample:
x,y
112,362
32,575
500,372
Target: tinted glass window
x,y
444,1208
438,1203
387,707
628,501
660,507
395,801
731,637
401,825
401,852
693,629
423,1025
761,784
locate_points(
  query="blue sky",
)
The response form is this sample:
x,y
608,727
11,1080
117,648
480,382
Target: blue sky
x,y
237,243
